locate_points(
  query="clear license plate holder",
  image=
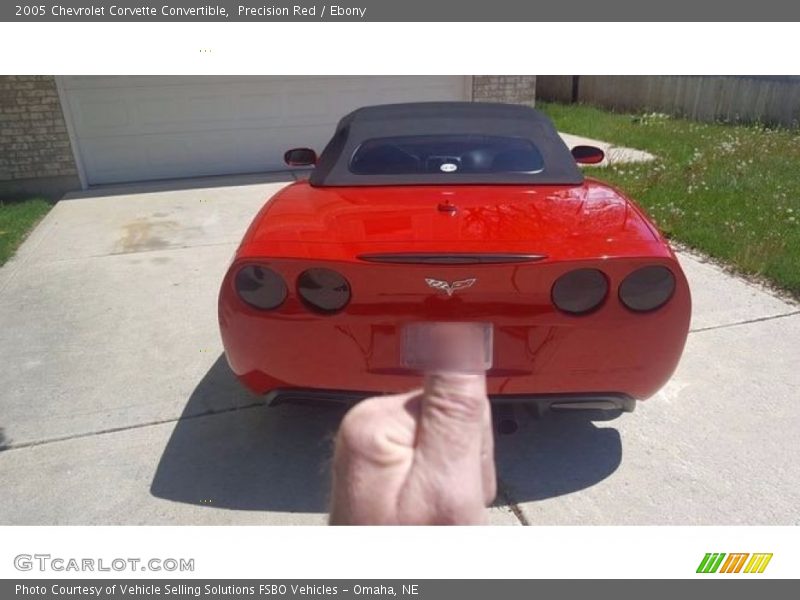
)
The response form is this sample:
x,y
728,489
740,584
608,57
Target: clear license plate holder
x,y
455,346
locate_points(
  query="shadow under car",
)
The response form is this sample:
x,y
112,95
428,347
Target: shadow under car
x,y
230,450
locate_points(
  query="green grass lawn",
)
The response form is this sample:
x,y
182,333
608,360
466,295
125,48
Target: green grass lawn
x,y
16,220
731,191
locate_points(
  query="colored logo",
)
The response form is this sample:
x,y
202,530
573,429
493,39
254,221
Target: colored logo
x,y
739,562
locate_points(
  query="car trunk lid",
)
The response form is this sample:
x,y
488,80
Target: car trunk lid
x,y
487,223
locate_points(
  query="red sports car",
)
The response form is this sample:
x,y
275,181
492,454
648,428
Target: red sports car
x,y
453,212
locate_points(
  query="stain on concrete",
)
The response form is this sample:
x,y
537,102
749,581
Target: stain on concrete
x,y
160,260
142,235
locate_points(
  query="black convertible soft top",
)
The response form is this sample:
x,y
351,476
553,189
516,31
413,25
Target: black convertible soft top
x,y
445,118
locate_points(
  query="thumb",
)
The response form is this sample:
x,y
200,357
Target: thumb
x,y
453,410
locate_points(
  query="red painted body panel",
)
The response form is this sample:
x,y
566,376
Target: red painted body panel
x,y
566,223
538,349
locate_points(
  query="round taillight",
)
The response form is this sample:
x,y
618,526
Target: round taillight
x,y
580,291
260,287
323,290
647,288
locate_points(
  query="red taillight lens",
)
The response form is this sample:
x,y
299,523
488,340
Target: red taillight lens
x,y
647,288
580,291
260,287
323,290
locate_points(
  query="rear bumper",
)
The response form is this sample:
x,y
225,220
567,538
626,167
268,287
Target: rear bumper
x,y
592,401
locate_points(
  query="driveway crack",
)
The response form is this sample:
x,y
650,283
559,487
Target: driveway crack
x,y
747,322
76,436
503,495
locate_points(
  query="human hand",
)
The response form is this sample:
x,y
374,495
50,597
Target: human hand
x,y
425,457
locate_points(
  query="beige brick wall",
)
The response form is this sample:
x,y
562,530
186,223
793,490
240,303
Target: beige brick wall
x,y
34,144
514,89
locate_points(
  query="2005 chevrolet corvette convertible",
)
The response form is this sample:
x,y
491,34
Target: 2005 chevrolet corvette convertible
x,y
444,213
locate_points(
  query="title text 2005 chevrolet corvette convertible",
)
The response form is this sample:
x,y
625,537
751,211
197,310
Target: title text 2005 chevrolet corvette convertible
x,y
454,212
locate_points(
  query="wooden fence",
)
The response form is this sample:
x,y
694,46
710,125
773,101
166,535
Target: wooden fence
x,y
770,100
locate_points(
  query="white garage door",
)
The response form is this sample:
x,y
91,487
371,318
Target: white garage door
x,y
142,128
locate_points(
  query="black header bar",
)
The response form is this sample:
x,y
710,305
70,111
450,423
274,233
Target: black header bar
x,y
401,10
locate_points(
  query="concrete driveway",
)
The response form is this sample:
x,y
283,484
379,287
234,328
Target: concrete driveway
x,y
116,406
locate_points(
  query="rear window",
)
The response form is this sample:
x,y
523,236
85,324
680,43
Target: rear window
x,y
446,154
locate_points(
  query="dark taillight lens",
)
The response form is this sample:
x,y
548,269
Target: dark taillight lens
x,y
647,288
581,291
323,290
260,287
